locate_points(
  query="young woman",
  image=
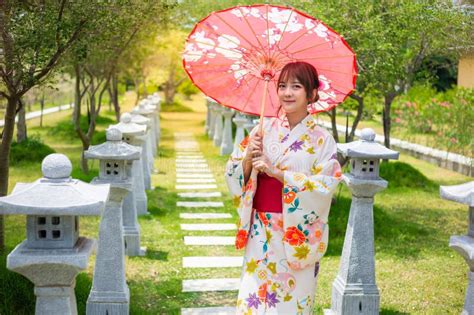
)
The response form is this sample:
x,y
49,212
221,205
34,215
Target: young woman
x,y
283,182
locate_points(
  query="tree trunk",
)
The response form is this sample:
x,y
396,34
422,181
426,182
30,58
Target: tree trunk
x,y
333,124
170,87
5,146
386,118
21,130
360,111
42,109
114,90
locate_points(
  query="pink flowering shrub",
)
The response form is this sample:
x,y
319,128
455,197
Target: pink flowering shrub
x,y
448,116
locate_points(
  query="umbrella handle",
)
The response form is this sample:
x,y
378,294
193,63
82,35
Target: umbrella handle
x,y
262,107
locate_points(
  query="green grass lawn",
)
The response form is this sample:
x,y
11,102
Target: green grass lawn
x,y
417,272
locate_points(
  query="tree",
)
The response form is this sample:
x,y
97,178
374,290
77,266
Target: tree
x,y
391,40
97,57
33,38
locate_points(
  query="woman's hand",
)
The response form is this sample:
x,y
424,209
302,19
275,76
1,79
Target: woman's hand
x,y
254,148
262,164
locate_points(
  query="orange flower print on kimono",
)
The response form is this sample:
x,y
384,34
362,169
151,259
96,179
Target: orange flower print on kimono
x,y
283,250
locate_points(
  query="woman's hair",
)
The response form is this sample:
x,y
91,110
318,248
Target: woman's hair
x,y
305,73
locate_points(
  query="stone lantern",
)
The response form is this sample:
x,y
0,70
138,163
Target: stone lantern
x,y
240,121
155,104
227,144
464,244
110,293
208,115
142,120
355,290
54,252
148,110
131,134
218,125
212,118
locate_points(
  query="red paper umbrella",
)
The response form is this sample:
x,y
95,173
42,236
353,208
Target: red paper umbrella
x,y
235,56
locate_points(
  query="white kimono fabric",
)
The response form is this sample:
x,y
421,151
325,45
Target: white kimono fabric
x,y
282,250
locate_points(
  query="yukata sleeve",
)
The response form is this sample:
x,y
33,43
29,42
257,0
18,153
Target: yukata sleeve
x,y
306,202
234,174
241,192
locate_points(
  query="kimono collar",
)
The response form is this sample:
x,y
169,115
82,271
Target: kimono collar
x,y
285,124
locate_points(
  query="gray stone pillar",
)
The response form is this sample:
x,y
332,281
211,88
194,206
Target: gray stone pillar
x,y
218,126
355,290
226,143
239,122
110,293
464,244
208,116
142,120
212,124
130,131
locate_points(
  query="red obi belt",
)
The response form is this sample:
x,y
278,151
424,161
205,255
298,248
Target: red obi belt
x,y
268,197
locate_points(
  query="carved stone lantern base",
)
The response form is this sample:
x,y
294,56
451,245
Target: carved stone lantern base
x,y
53,273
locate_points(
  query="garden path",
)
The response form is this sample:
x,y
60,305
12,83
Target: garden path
x,y
192,176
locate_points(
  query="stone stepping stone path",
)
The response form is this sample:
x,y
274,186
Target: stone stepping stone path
x,y
207,285
193,174
200,204
209,311
196,180
192,171
212,194
212,262
204,216
197,186
191,165
208,240
208,227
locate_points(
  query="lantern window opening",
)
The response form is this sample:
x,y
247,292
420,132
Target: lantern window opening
x,y
55,220
41,220
364,169
41,234
56,234
371,162
76,223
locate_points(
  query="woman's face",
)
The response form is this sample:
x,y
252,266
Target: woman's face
x,y
292,96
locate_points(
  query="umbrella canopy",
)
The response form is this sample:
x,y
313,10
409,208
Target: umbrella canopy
x,y
231,53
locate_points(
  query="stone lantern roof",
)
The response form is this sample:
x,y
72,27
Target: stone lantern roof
x,y
56,193
366,148
127,127
144,108
113,149
139,119
463,193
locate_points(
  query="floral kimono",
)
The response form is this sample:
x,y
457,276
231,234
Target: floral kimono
x,y
282,250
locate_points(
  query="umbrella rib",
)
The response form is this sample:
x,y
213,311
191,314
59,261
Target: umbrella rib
x,y
282,34
329,57
274,83
317,45
236,31
251,28
268,33
197,54
213,31
224,48
250,95
335,71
